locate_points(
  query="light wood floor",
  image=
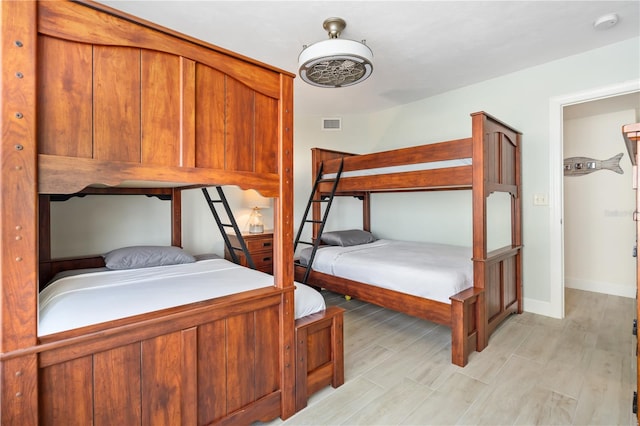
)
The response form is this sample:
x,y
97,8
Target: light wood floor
x,y
536,370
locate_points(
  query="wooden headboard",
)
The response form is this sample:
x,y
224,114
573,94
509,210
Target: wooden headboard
x,y
186,113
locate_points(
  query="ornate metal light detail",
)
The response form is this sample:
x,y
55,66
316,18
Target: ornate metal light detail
x,y
335,62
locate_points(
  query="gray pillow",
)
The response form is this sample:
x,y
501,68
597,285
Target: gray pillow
x,y
347,238
146,256
206,256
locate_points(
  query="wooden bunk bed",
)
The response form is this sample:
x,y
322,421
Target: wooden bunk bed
x,y
494,151
100,99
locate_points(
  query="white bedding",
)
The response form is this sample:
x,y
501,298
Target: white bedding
x,y
403,168
81,300
432,271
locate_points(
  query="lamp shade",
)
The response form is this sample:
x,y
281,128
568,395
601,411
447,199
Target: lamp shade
x,y
253,199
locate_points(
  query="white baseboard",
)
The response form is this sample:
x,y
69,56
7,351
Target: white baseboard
x,y
601,287
539,307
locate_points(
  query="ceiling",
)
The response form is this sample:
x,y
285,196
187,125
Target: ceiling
x,y
421,48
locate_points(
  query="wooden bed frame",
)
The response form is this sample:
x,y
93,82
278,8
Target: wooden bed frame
x,y
100,98
497,292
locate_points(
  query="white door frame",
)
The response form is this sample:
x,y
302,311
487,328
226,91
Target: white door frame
x,y
556,196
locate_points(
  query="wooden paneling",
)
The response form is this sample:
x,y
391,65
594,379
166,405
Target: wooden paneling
x,y
241,364
161,380
266,134
65,96
508,162
200,374
319,353
66,393
509,276
89,25
239,126
266,343
493,290
171,111
212,362
116,90
186,150
117,400
160,111
319,343
210,97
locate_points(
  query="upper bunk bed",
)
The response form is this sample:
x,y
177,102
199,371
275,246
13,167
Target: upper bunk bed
x,y
102,99
437,166
485,163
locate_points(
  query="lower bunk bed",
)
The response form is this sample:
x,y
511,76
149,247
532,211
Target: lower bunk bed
x,y
229,359
426,280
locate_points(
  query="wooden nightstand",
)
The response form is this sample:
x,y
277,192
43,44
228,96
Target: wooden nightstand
x,y
260,248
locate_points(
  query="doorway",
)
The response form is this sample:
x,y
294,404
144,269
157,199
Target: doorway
x,y
599,233
556,196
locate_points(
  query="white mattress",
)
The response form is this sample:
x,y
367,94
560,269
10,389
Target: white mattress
x,y
92,298
429,270
403,168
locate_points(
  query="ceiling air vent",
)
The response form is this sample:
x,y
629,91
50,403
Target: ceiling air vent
x,y
331,124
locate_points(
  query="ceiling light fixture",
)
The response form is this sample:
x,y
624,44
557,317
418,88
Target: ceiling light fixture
x,y
335,62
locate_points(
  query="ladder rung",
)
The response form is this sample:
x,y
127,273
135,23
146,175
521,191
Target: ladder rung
x,y
313,221
305,242
324,200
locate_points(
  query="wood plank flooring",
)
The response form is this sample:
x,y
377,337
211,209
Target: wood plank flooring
x,y
536,370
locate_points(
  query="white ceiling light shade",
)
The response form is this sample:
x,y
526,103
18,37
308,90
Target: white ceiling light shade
x,y
335,62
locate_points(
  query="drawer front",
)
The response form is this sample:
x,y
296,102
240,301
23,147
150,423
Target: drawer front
x,y
262,259
256,245
260,246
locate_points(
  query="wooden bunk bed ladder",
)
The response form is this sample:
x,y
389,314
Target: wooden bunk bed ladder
x,y
232,224
316,197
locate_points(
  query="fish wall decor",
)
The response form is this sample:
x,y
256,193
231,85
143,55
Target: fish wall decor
x,y
579,166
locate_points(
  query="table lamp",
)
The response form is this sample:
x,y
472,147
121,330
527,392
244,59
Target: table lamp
x,y
255,201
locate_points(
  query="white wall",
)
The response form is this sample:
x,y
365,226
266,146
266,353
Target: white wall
x,y
97,224
599,232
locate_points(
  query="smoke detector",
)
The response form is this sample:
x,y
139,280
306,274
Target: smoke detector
x,y
605,21
335,62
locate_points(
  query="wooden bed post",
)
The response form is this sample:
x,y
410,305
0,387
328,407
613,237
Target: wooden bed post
x,y
516,203
366,211
18,215
176,217
479,196
496,168
283,249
